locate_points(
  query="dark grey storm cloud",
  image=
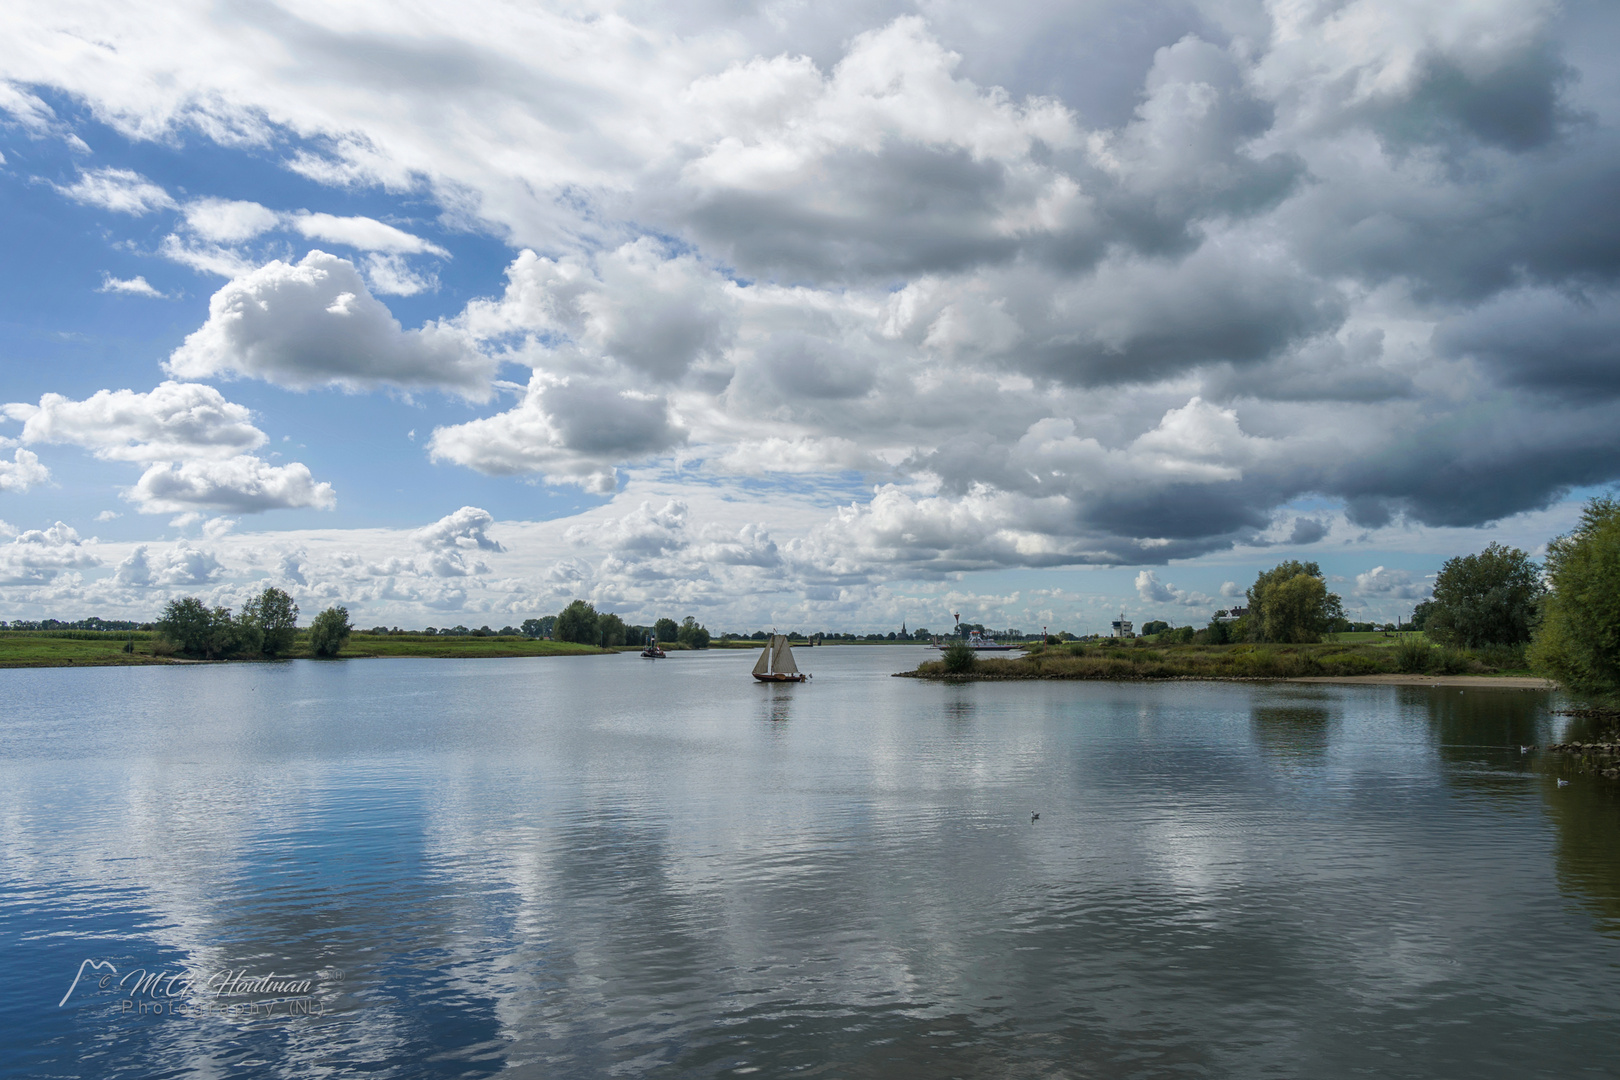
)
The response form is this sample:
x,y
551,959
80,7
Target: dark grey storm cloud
x,y
1564,343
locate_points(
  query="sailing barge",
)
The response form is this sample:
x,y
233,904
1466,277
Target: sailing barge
x,y
775,663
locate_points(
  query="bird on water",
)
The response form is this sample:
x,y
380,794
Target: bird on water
x,y
1563,783
1034,817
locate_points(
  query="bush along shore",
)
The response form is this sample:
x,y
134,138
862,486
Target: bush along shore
x,y
1142,659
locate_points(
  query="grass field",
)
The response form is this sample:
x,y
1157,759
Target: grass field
x,y
84,647
437,645
1145,660
90,649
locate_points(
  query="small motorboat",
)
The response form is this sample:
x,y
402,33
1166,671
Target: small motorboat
x,y
652,651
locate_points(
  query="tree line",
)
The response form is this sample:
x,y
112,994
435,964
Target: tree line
x,y
580,622
267,628
1562,619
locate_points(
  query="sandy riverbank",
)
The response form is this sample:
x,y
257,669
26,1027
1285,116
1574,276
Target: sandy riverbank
x,y
1484,682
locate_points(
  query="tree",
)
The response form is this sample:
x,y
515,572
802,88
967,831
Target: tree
x,y
667,630
187,624
692,634
233,636
577,623
538,628
196,630
1578,640
1420,615
329,632
1290,603
1487,599
1155,627
611,628
275,616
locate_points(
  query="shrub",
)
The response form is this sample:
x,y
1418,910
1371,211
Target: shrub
x,y
329,632
1452,661
958,658
1413,655
1503,657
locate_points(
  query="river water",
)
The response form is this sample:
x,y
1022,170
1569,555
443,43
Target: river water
x,y
583,867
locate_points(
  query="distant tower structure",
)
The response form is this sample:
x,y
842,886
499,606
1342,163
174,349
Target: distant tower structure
x,y
903,628
1122,628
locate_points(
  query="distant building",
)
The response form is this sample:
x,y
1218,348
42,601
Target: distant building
x,y
1123,627
1231,614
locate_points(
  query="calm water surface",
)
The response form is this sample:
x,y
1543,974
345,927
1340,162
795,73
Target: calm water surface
x,y
612,866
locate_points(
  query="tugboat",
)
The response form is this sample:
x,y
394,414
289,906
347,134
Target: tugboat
x,y
775,663
652,651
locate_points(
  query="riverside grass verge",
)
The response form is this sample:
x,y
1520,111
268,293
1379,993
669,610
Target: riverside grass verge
x,y
1142,660
85,648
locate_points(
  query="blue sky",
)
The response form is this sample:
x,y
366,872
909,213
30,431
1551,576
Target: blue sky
x,y
775,317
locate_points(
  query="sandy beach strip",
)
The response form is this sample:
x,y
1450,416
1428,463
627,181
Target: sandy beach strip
x,y
1483,682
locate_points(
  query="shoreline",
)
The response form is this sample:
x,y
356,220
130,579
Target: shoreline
x,y
1484,682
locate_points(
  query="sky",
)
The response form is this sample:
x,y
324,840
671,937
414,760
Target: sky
x,y
821,317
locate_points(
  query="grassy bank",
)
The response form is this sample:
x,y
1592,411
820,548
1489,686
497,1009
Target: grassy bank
x,y
85,648
74,648
440,646
1144,660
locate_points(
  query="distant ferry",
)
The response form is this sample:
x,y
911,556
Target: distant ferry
x,y
979,643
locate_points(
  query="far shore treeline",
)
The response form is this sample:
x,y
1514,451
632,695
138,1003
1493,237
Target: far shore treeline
x,y
1492,611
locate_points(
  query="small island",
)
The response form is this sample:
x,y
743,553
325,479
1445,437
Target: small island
x,y
1364,657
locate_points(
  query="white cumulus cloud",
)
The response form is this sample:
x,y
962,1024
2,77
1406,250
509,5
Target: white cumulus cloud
x,y
174,421
314,323
38,556
22,472
240,484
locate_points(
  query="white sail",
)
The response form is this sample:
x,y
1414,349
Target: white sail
x,y
762,665
784,657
